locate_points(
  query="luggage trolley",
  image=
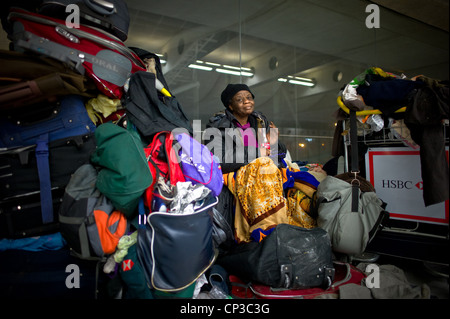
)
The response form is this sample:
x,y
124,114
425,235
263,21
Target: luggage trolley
x,y
392,164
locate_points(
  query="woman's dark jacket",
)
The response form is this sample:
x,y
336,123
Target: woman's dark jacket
x,y
226,120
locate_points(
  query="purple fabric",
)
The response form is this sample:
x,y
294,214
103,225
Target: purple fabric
x,y
198,164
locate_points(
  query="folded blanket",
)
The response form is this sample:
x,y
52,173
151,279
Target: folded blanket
x,y
260,204
267,196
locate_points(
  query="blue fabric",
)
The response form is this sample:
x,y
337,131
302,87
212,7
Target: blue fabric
x,y
299,176
47,242
259,234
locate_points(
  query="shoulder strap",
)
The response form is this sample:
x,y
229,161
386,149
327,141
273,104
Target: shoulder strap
x,y
44,178
175,172
355,163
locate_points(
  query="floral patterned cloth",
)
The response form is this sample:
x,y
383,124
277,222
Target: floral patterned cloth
x,y
260,205
267,196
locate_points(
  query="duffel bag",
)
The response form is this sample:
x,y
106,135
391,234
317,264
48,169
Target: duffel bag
x,y
175,249
290,257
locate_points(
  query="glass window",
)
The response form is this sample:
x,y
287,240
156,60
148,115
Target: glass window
x,y
296,55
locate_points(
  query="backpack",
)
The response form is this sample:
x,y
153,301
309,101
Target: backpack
x,y
89,222
150,112
198,163
124,173
162,158
350,231
164,165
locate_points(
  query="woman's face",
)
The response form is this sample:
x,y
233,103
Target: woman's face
x,y
242,104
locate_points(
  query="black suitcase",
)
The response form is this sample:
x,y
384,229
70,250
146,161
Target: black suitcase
x,y
19,172
37,157
109,15
20,216
21,212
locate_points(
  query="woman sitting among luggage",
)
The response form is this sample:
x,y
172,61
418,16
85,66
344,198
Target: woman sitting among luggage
x,y
252,160
246,134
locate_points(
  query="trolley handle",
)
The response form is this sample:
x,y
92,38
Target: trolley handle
x,y
365,112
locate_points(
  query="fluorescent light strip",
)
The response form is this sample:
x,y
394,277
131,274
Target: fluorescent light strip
x,y
200,67
297,80
213,64
238,73
231,67
303,79
236,67
161,58
227,69
310,84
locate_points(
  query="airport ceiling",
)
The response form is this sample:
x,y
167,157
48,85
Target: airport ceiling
x,y
309,38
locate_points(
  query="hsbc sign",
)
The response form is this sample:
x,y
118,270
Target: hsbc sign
x,y
396,175
397,184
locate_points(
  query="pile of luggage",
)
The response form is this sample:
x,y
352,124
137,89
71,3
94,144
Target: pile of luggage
x,y
93,146
87,149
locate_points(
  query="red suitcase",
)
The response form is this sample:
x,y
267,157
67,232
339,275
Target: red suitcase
x,y
90,51
344,274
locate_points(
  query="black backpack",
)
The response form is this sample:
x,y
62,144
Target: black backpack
x,y
150,108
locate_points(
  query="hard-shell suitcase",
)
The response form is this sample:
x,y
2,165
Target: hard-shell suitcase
x,y
24,204
345,273
65,118
109,15
20,216
41,156
90,51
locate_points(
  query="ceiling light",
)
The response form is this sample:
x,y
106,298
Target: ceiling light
x,y
304,83
200,67
298,80
213,64
227,69
236,67
162,58
238,73
231,67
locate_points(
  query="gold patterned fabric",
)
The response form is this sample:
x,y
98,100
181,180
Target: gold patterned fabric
x,y
298,208
260,205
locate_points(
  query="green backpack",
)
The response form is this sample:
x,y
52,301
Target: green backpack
x,y
124,174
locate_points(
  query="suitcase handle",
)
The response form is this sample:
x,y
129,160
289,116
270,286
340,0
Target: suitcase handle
x,y
112,45
101,6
